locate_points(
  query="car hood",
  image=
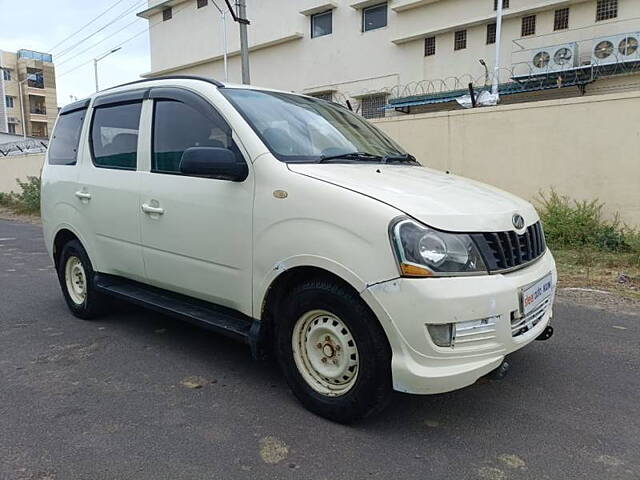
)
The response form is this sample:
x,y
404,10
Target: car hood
x,y
440,200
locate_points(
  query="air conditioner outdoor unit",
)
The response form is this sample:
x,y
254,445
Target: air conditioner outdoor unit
x,y
616,49
555,58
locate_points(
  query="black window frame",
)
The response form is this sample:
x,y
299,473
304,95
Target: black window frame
x,y
528,26
491,33
429,46
12,129
167,14
459,43
195,101
320,14
9,99
83,109
202,3
371,7
6,74
505,4
108,104
606,10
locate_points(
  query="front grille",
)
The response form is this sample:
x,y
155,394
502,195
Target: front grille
x,y
508,250
520,325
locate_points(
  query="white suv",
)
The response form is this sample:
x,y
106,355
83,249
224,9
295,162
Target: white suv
x,y
296,226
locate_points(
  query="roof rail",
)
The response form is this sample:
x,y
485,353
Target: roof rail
x,y
212,81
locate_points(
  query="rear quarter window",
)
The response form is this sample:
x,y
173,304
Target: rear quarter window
x,y
63,146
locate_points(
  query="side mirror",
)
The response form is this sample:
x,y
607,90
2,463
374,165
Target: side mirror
x,y
213,162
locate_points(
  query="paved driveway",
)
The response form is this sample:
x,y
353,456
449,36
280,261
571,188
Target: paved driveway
x,y
106,400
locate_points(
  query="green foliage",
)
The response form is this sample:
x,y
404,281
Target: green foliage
x,y
25,201
579,224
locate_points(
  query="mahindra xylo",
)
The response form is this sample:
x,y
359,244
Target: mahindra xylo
x,y
297,226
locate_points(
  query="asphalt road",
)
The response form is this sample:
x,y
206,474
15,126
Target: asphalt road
x,y
106,400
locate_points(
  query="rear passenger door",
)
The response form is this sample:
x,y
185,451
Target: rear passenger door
x,y
109,185
196,231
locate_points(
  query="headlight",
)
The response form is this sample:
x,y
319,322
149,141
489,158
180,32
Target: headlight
x,y
424,252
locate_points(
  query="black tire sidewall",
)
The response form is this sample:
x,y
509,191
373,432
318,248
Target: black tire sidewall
x,y
371,390
93,302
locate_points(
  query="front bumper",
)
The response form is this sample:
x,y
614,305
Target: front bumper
x,y
405,305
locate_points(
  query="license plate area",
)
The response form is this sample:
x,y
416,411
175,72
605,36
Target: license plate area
x,y
534,294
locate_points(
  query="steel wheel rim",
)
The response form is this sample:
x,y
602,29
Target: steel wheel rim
x,y
325,353
75,280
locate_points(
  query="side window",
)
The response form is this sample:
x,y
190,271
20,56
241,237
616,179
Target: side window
x,y
63,147
114,136
178,126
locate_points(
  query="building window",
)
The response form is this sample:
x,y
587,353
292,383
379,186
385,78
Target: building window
x,y
202,3
429,46
561,19
491,33
505,4
372,106
6,74
328,96
321,24
460,40
9,101
12,128
606,9
167,13
528,25
374,17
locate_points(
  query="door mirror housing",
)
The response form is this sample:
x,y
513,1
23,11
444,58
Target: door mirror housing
x,y
213,162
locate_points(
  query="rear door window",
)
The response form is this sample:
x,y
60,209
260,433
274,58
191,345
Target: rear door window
x,y
114,136
63,147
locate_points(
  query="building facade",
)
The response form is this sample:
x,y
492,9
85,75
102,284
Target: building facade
x,y
28,93
406,55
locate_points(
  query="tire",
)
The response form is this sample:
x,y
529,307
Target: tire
x,y
76,277
321,319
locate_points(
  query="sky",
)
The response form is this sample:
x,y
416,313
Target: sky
x,y
42,25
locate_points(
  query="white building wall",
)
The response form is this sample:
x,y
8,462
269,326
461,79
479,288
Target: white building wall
x,y
354,62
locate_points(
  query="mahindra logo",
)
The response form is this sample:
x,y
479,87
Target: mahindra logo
x,y
518,221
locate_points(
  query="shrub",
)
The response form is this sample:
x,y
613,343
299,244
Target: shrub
x,y
575,224
25,201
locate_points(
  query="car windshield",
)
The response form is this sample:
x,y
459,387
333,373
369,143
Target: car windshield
x,y
305,129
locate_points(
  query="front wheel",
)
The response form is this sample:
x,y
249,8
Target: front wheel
x,y
333,352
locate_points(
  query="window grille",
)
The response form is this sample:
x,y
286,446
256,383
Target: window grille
x,y
372,106
491,33
606,9
460,40
505,4
429,46
561,19
528,25
167,13
202,3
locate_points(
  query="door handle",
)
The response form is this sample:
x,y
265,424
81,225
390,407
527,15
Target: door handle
x,y
146,208
83,195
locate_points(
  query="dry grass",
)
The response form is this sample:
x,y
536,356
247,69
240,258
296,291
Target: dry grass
x,y
613,272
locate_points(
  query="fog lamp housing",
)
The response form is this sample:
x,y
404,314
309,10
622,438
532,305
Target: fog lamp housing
x,y
442,334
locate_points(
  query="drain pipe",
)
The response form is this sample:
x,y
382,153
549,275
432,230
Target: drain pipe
x,y
496,68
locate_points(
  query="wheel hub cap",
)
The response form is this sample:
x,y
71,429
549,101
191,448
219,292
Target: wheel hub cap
x,y
325,352
75,280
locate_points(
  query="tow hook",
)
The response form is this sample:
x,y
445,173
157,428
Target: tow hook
x,y
500,372
546,333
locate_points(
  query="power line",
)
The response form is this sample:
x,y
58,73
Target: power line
x,y
85,26
97,43
122,43
122,15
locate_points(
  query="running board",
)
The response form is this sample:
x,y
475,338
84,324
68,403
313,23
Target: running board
x,y
213,317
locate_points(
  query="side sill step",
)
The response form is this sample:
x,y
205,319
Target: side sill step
x,y
217,318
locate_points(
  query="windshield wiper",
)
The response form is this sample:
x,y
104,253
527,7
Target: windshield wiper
x,y
401,158
351,156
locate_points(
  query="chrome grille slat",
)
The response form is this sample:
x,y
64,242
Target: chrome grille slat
x,y
519,325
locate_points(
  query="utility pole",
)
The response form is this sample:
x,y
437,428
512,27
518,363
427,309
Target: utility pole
x,y
241,6
223,17
496,69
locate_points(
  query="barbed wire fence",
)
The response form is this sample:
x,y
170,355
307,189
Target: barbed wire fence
x,y
25,146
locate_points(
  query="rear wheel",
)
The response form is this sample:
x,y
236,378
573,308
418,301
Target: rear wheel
x,y
333,352
75,274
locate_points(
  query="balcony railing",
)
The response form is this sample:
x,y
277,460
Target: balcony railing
x,y
38,110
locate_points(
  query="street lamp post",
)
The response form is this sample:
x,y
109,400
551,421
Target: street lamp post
x,y
223,16
95,64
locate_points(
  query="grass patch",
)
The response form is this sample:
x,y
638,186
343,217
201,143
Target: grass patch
x,y
590,250
27,201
